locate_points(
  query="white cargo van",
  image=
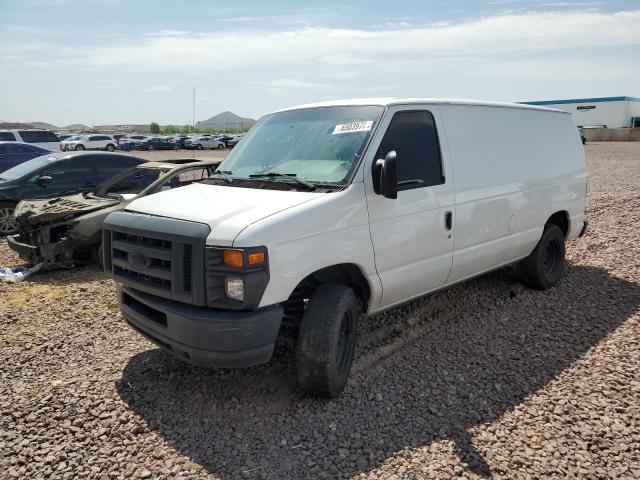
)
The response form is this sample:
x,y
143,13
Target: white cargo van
x,y
328,211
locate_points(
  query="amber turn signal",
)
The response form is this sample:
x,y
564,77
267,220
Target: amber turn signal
x,y
233,258
256,258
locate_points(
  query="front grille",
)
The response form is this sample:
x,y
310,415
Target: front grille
x,y
187,264
157,255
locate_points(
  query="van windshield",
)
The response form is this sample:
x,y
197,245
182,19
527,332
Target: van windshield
x,y
318,145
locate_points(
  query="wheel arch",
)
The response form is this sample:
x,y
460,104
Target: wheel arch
x,y
561,219
348,274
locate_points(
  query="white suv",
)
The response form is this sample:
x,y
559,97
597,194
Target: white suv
x,y
89,142
42,138
204,142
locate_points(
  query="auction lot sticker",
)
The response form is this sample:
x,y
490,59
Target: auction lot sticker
x,y
353,127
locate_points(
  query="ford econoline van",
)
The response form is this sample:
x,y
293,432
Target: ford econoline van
x,y
329,212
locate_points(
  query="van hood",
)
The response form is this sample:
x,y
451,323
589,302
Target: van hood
x,y
226,209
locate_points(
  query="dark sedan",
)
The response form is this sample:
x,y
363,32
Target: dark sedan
x,y
180,140
15,153
224,139
54,175
157,143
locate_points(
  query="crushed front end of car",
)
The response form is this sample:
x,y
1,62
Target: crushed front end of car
x,y
46,230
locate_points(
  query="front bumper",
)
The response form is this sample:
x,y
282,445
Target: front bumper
x,y
203,336
26,252
50,255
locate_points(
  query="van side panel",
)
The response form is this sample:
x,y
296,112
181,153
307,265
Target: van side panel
x,y
513,169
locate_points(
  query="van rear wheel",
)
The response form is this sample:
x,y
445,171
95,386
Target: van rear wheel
x,y
327,341
546,264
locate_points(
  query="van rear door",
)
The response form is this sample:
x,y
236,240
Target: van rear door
x,y
412,234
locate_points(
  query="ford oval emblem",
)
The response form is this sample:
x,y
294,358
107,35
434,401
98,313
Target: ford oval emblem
x,y
137,260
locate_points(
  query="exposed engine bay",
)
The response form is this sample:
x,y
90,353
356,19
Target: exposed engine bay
x,y
44,226
66,231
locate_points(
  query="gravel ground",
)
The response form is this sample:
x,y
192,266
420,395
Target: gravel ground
x,y
485,379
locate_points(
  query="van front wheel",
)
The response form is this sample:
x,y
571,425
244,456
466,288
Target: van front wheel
x,y
545,265
327,340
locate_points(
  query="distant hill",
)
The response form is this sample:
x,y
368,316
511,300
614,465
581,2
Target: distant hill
x,y
44,125
226,120
14,125
76,127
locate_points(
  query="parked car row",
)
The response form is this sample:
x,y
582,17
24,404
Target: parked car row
x,y
79,142
176,142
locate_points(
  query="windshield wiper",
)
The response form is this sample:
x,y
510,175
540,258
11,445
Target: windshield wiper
x,y
292,176
224,174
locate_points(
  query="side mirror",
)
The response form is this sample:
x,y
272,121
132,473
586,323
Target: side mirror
x,y
385,176
44,180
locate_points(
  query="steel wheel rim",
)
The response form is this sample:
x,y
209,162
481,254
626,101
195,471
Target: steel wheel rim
x,y
7,221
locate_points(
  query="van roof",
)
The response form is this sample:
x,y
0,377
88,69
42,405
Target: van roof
x,y
388,101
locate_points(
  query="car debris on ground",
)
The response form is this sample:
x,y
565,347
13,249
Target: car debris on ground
x,y
66,231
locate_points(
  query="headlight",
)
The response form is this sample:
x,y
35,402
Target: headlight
x,y
236,278
234,288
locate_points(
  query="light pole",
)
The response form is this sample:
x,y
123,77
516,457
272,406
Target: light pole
x,y
193,111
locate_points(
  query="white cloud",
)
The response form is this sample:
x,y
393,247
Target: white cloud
x,y
489,36
294,83
158,89
341,59
167,33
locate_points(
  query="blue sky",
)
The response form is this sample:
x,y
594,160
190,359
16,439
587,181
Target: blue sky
x,y
117,61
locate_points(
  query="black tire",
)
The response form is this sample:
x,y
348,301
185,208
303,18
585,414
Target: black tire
x,y
327,341
221,146
150,148
79,148
110,148
198,147
176,147
7,222
546,264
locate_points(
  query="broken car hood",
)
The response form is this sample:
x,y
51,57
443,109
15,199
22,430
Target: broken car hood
x,y
226,209
46,210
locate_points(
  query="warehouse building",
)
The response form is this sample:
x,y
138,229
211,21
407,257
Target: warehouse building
x,y
606,112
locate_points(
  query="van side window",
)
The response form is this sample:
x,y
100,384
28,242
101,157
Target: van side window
x,y
413,135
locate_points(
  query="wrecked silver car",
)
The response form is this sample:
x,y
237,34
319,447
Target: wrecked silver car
x,y
67,231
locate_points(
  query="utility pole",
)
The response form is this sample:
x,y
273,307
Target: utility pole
x,y
193,110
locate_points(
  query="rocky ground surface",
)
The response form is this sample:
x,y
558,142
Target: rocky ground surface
x,y
485,379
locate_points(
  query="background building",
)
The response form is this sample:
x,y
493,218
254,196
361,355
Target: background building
x,y
607,112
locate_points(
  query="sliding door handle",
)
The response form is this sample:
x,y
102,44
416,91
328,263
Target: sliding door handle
x,y
448,220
